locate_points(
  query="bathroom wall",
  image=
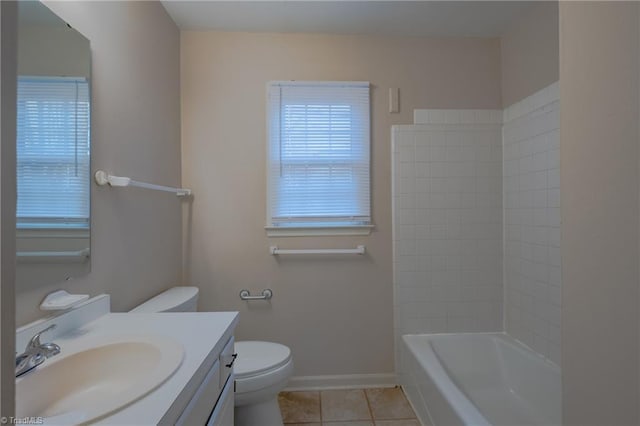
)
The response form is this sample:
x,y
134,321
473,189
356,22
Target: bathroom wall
x,y
531,179
136,234
8,55
599,92
340,307
447,220
529,52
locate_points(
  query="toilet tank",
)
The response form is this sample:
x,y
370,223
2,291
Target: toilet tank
x,y
176,299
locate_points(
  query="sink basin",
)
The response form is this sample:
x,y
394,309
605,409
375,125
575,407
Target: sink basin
x,y
91,382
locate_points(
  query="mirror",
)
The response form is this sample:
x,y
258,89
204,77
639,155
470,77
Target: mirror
x,y
53,149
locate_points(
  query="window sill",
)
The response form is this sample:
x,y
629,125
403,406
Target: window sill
x,y
310,231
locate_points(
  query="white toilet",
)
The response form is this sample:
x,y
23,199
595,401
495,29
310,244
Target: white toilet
x,y
262,369
176,299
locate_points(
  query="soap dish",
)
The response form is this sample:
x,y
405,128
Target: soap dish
x,y
61,300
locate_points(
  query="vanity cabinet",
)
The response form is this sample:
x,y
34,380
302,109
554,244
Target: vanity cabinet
x,y
198,391
213,402
223,413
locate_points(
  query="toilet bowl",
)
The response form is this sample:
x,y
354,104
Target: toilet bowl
x,y
262,370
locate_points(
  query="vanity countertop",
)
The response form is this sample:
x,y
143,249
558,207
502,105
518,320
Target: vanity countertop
x,y
202,335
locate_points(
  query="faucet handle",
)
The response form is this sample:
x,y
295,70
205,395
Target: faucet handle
x,y
35,340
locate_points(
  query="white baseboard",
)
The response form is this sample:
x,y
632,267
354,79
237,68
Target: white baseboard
x,y
344,381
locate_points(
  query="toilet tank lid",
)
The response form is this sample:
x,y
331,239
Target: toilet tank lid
x,y
168,299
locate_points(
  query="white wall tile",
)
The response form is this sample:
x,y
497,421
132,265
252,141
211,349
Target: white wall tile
x,y
532,217
447,242
459,178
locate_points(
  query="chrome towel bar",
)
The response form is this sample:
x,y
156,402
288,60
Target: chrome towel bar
x,y
267,294
274,250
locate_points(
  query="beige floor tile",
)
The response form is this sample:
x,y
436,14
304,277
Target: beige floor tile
x,y
344,405
303,424
299,407
389,403
405,422
356,423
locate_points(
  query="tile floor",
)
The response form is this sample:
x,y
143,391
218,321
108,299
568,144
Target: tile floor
x,y
347,407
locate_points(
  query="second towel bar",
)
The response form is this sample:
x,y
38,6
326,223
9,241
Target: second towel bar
x,y
274,250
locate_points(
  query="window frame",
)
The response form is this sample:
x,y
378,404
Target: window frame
x,y
322,228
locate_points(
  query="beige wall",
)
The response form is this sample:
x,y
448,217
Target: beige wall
x,y
8,15
335,313
599,180
529,52
136,234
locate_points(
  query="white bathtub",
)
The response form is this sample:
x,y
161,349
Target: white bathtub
x,y
479,379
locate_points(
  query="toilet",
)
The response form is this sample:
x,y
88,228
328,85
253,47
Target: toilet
x,y
262,369
176,299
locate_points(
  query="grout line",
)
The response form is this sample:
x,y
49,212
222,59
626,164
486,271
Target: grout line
x,y
369,405
320,405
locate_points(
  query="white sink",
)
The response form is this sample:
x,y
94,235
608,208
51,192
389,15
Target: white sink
x,y
87,383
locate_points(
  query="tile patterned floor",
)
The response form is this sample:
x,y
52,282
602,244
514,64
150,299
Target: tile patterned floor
x,y
347,407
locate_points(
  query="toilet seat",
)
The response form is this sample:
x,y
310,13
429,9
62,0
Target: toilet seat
x,y
256,357
260,365
262,370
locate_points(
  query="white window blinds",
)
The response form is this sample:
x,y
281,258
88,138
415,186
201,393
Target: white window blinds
x,y
53,152
319,154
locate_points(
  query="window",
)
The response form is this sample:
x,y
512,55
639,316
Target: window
x,y
53,152
318,156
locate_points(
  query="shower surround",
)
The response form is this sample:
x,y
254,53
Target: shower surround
x,y
447,223
476,232
532,222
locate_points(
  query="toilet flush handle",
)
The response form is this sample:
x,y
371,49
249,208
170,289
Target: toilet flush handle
x,y
233,359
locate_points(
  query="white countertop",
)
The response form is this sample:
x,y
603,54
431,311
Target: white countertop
x,y
203,335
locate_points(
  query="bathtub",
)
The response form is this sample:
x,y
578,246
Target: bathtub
x,y
478,379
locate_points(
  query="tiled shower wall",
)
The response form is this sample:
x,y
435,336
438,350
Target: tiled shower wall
x,y
450,181
447,219
532,221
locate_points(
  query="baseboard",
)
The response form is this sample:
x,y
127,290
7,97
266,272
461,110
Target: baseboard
x,y
344,381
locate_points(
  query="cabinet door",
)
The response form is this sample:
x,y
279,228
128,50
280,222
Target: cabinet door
x,y
223,413
199,408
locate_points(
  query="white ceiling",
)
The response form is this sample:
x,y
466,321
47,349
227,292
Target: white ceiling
x,y
402,18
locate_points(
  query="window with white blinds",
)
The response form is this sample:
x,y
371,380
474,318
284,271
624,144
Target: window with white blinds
x,y
318,154
53,152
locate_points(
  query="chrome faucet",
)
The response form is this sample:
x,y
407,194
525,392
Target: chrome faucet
x,y
35,353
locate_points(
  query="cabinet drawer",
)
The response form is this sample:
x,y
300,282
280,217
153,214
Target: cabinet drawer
x,y
227,359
